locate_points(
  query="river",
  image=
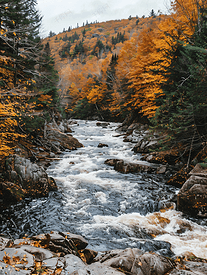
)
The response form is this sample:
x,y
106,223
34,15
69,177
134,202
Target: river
x,y
110,209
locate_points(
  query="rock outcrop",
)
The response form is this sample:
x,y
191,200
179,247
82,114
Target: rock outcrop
x,y
192,197
61,140
24,179
23,174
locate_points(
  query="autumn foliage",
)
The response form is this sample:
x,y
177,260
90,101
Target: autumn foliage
x,y
143,67
149,67
27,76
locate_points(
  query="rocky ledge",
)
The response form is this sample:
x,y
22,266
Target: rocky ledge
x,y
23,174
67,254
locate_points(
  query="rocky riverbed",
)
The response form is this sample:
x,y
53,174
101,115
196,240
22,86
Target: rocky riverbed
x,y
111,191
67,254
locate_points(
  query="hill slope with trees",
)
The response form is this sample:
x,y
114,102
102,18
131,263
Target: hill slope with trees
x,y
152,68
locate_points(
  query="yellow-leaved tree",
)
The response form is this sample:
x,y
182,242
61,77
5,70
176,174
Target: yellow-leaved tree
x,y
8,123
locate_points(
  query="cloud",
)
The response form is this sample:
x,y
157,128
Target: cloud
x,y
63,13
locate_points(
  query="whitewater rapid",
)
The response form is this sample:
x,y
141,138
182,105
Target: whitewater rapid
x,y
110,209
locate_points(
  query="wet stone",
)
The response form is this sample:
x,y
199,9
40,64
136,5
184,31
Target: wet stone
x,y
72,263
53,263
101,145
96,269
89,255
6,269
40,254
4,242
17,256
78,240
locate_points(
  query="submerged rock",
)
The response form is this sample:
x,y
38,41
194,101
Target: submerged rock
x,y
101,145
102,124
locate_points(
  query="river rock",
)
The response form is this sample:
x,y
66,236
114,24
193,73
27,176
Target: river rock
x,y
162,169
63,242
136,262
127,167
96,269
64,126
39,253
53,264
4,242
101,145
192,197
6,269
199,170
11,192
102,124
89,255
16,256
62,140
25,179
73,263
29,257
190,268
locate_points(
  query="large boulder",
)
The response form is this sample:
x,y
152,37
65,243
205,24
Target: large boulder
x,y
192,197
62,140
25,179
128,167
136,262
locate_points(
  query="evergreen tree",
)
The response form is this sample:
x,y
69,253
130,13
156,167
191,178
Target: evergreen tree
x,y
152,13
183,108
19,39
47,83
84,32
51,34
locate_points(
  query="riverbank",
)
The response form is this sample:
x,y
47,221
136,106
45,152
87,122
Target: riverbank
x,y
23,174
66,253
185,170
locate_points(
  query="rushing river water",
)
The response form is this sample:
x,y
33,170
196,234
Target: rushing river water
x,y
110,209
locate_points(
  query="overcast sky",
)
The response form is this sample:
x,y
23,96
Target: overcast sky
x,y
59,14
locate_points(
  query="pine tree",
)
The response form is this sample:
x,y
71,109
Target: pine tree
x,y
19,40
47,84
183,108
152,13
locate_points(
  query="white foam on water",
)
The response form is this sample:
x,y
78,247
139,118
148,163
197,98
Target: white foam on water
x,y
167,227
82,168
101,196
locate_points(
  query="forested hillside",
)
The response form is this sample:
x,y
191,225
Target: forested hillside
x,y
153,67
86,57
